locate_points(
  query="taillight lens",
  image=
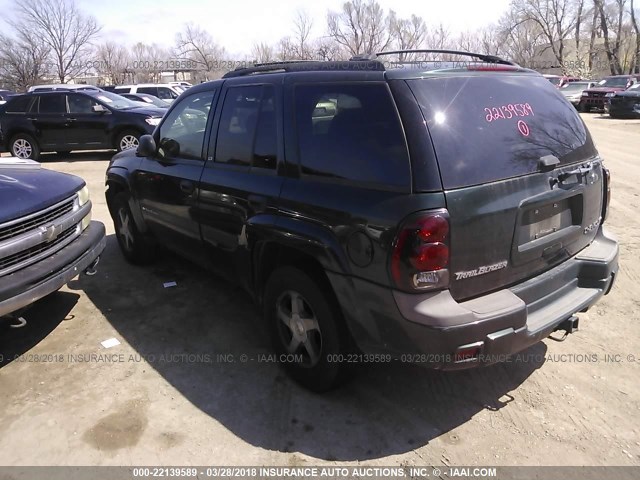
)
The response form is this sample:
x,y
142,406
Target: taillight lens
x,y
420,253
606,185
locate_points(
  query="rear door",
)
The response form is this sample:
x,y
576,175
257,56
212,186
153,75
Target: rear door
x,y
240,182
522,178
51,123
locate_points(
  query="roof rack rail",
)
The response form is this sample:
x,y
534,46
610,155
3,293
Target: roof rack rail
x,y
303,65
479,56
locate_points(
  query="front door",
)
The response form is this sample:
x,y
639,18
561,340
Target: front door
x,y
167,184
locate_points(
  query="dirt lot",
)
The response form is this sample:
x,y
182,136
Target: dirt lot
x,y
170,395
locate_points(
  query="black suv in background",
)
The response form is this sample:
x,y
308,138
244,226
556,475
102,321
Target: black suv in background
x,y
447,214
61,121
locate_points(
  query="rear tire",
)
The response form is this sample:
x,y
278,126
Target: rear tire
x,y
306,325
128,139
24,146
584,108
136,247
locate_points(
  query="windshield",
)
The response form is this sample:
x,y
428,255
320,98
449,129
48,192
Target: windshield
x,y
613,82
116,101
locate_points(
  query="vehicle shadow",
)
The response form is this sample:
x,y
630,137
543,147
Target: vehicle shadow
x,y
219,362
42,318
71,157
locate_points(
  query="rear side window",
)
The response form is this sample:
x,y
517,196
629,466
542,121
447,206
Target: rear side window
x,y
163,93
247,134
351,132
491,127
149,90
53,103
19,105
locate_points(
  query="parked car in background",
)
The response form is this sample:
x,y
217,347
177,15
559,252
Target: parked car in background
x,y
61,86
334,193
573,91
65,120
166,91
560,80
147,99
183,84
47,236
5,95
625,104
596,97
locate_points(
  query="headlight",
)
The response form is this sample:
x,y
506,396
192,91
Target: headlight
x,y
609,95
585,94
83,195
83,198
153,120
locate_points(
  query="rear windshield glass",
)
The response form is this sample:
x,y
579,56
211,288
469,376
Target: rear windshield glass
x,y
491,127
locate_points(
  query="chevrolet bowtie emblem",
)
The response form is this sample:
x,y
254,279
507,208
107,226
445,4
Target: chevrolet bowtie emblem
x,y
50,233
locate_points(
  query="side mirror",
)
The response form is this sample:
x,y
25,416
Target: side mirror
x,y
146,146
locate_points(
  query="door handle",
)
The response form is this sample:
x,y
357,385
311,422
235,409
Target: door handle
x,y
187,187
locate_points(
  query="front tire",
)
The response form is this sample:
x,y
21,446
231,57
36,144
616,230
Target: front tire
x,y
136,248
307,330
24,146
127,140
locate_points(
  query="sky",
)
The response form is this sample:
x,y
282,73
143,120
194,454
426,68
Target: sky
x,y
239,24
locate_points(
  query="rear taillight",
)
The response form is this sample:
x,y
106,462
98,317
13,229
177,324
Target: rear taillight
x,y
420,255
606,185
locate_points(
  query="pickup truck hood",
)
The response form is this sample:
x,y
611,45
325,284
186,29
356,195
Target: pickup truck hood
x,y
25,191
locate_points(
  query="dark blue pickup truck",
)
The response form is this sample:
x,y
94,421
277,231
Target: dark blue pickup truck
x,y
47,236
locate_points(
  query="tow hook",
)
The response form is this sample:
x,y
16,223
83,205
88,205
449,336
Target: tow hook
x,y
570,325
91,269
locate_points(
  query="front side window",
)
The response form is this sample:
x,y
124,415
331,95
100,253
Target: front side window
x,y
351,132
82,104
182,132
53,103
247,133
165,93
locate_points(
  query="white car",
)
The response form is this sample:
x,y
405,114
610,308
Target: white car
x,y
164,91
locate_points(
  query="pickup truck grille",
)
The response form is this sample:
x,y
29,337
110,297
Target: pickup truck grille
x,y
17,227
25,241
24,255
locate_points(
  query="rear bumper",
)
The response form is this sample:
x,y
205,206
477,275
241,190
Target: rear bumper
x,y
21,288
432,328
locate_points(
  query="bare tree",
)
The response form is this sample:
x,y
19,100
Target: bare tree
x,y
198,45
522,40
555,18
360,27
301,36
612,19
636,30
65,30
148,62
23,61
263,53
113,62
407,33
